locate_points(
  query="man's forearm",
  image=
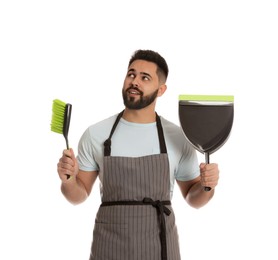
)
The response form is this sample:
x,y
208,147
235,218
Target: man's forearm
x,y
197,197
74,191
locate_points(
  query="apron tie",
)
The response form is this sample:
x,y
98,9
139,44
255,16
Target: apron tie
x,y
161,208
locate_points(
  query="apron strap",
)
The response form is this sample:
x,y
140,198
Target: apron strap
x,y
162,144
107,143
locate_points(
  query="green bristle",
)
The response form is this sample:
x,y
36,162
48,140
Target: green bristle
x,y
58,110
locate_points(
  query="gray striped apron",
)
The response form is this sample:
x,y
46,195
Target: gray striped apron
x,y
135,220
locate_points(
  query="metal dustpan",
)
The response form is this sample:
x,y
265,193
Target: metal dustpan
x,y
206,121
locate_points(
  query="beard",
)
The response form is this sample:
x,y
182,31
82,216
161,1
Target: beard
x,y
143,102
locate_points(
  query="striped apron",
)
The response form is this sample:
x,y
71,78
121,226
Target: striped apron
x,y
135,220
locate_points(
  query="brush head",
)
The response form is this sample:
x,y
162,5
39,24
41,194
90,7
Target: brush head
x,y
58,111
61,114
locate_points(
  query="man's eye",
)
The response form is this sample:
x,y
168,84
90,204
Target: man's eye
x,y
145,78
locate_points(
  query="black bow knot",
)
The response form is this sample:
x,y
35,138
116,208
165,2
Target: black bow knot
x,y
159,205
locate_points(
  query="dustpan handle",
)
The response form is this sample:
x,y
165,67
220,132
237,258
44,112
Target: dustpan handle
x,y
207,162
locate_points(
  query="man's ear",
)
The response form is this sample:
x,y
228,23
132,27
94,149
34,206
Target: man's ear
x,y
161,90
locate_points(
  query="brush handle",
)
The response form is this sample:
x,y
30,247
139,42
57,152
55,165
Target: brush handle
x,y
68,176
207,162
67,117
66,125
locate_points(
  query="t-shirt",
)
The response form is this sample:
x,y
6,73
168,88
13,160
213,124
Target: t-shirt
x,y
136,140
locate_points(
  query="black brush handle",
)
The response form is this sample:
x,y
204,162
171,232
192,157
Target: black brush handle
x,y
67,116
207,162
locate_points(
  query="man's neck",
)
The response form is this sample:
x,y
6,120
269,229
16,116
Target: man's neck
x,y
143,116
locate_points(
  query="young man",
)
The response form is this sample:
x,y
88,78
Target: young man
x,y
137,156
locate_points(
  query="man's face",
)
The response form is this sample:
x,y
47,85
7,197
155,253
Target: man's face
x,y
141,85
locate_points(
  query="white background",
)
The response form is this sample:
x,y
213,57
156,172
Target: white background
x,y
78,51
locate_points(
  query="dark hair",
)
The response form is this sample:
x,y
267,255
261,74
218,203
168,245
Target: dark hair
x,y
152,56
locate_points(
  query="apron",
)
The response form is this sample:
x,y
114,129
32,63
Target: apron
x,y
135,220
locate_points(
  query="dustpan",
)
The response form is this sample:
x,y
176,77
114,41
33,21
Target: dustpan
x,y
206,121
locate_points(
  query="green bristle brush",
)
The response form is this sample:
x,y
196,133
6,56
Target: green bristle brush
x,y
60,122
61,114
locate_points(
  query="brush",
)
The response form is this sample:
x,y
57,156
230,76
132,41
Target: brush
x,y
60,122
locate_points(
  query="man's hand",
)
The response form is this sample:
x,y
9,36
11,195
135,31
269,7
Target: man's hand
x,y
67,166
209,175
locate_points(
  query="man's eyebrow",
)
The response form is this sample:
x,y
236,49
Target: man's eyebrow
x,y
146,74
142,73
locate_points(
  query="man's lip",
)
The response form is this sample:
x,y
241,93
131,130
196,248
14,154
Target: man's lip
x,y
133,92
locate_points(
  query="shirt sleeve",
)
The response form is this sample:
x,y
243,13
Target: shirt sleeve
x,y
85,155
188,167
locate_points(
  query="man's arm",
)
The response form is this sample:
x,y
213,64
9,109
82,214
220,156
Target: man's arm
x,y
76,184
193,190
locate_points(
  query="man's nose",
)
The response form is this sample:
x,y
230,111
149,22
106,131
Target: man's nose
x,y
135,82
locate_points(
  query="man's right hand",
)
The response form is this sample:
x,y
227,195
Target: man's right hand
x,y
67,166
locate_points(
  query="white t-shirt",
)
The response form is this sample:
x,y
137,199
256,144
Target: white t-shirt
x,y
136,140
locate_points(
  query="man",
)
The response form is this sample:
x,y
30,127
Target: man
x,y
137,156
